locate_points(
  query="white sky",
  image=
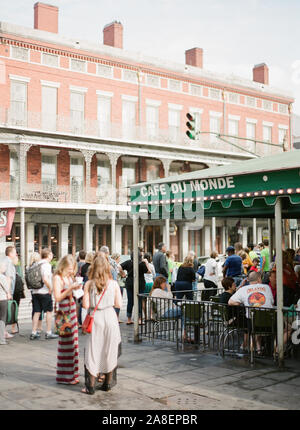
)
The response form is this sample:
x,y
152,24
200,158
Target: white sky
x,y
234,34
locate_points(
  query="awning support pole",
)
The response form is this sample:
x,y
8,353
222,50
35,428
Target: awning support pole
x,y
213,233
135,277
279,285
22,240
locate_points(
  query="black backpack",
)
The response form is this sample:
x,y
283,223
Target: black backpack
x,y
33,277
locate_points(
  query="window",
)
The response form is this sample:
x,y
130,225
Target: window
x,y
103,172
128,173
214,127
267,137
104,115
152,170
251,134
13,175
48,170
233,97
76,179
174,124
282,135
214,93
104,70
174,85
19,53
130,76
49,108
77,112
153,81
129,117
18,103
50,60
250,101
233,127
196,90
267,105
152,114
282,108
78,65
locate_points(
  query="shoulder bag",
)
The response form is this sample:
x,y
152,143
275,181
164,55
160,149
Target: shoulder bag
x,y
89,319
62,324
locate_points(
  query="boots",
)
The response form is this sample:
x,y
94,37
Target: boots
x,y
110,380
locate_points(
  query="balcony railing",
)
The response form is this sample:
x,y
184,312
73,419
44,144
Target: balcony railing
x,y
109,130
74,193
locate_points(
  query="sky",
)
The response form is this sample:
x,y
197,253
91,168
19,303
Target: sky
x,y
235,35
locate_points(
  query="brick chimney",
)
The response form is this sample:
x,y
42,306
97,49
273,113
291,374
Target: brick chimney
x,y
113,35
194,57
46,17
261,73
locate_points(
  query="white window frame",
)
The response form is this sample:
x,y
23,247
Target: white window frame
x,y
81,62
107,67
77,128
50,55
13,116
172,89
49,153
55,85
22,48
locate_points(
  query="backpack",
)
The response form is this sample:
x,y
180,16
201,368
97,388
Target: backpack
x,y
12,312
201,271
19,288
33,277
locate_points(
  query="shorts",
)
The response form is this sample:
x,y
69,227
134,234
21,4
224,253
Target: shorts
x,y
42,302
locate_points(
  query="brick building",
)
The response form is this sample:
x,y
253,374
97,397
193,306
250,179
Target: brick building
x,y
80,122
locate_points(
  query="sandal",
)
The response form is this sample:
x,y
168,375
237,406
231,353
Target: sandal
x,y
75,382
129,323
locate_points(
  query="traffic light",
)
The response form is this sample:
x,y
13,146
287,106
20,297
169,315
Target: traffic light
x,y
191,126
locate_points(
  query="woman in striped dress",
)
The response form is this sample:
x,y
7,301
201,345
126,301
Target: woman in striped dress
x,y
68,353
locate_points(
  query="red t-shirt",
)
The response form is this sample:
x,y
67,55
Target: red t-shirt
x,y
255,269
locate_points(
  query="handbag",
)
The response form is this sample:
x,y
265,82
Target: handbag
x,y
89,319
62,324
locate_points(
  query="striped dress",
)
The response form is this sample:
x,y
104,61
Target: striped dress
x,y
68,351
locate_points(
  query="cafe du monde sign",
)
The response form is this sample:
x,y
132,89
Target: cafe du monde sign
x,y
183,189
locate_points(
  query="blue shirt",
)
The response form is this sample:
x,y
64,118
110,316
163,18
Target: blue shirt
x,y
234,265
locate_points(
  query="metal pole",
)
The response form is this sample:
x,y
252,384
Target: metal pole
x,y
87,230
167,226
279,286
270,238
22,240
135,226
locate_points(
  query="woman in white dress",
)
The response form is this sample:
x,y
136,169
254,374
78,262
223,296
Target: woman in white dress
x,y
101,351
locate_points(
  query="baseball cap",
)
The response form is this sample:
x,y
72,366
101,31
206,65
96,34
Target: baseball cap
x,y
230,248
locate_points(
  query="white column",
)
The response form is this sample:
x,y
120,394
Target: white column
x,y
22,240
244,237
113,232
270,238
224,243
184,233
259,234
207,244
91,245
166,233
213,234
279,283
254,232
135,277
63,239
29,240
87,230
118,239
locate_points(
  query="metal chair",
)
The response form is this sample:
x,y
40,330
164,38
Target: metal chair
x,y
167,322
263,323
193,316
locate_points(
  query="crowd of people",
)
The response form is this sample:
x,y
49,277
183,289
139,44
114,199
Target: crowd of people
x,y
249,279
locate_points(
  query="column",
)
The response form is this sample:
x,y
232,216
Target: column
x,y
254,238
113,232
184,238
118,247
207,243
91,244
213,234
29,240
87,230
63,239
88,155
279,282
23,149
166,163
259,234
244,237
113,158
224,243
270,238
166,233
22,240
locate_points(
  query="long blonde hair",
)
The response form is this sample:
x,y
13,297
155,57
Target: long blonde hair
x,y
34,258
64,263
100,271
188,261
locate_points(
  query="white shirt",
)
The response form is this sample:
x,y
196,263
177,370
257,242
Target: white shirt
x,y
46,271
162,306
150,276
254,295
211,271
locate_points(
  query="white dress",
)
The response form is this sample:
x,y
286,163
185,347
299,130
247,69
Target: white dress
x,y
101,351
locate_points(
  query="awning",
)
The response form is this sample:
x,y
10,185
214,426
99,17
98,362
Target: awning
x,y
247,189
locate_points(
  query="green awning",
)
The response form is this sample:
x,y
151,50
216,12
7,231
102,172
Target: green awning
x,y
246,189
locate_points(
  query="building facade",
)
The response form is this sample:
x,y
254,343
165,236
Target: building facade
x,y
80,122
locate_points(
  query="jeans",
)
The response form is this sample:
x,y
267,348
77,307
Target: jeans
x,y
182,286
130,302
172,313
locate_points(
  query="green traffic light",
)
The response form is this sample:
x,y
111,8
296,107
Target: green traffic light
x,y
190,135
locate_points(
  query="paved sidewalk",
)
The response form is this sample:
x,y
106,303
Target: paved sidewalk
x,y
151,377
